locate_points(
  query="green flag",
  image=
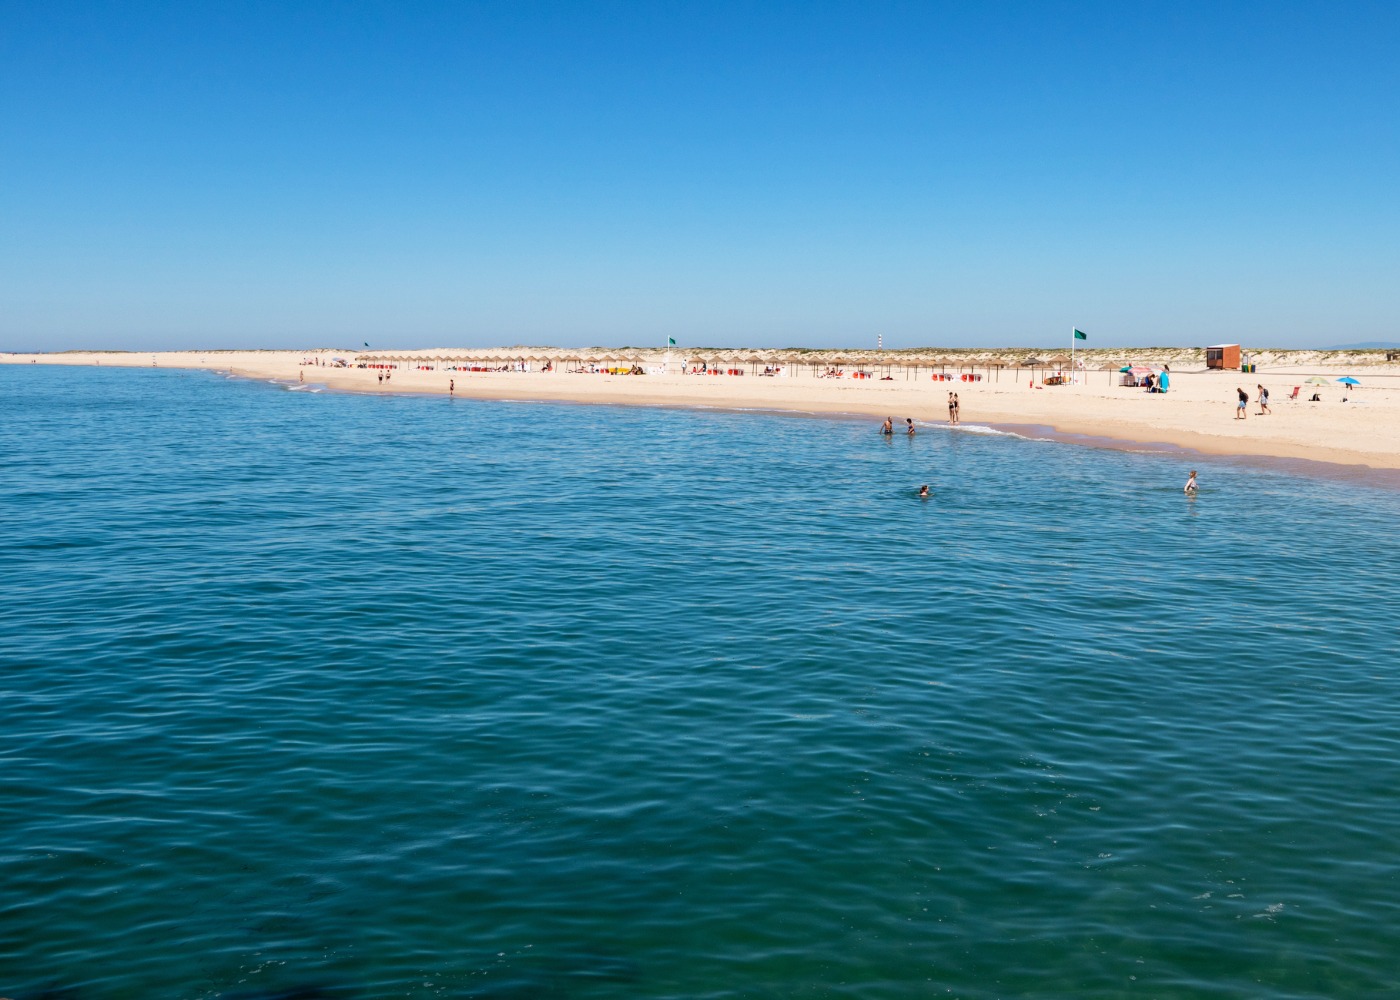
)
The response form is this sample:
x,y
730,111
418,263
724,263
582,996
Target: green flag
x,y
1079,335
671,341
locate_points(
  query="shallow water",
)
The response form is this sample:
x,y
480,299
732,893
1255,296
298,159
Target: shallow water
x,y
368,696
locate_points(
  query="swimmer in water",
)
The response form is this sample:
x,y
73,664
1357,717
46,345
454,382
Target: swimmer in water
x,y
909,425
888,426
923,492
1191,487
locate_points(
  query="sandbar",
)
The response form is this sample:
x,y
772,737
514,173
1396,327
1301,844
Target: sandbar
x,y
1347,425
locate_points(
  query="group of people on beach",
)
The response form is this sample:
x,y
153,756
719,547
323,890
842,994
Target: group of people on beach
x,y
1242,410
953,410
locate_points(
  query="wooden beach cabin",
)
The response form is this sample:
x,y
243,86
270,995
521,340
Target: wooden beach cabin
x,y
1223,356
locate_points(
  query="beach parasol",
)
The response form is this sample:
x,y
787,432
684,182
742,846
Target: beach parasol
x,y
1316,380
1349,380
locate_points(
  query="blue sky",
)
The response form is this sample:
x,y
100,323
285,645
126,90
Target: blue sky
x,y
251,174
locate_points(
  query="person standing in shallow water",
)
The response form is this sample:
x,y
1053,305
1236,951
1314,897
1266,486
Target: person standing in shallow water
x,y
909,426
452,387
1191,487
888,426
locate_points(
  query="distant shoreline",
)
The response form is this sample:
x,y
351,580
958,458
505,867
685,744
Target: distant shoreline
x,y
1196,414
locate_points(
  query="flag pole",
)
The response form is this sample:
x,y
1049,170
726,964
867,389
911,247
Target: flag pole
x,y
1073,371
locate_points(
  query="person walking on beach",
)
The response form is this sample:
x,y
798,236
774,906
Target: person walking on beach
x,y
909,426
452,387
1263,399
888,426
1191,486
381,378
1242,411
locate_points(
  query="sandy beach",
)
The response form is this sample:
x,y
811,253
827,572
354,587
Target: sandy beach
x,y
1358,426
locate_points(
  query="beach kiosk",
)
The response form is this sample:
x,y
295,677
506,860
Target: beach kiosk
x,y
1223,356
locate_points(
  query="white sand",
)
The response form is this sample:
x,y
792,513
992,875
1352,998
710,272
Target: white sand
x,y
1198,412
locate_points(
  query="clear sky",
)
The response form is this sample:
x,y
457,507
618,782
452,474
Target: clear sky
x,y
249,174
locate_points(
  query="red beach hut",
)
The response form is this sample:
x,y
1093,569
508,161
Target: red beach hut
x,y
1223,356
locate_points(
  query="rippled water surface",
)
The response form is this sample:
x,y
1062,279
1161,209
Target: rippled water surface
x,y
320,695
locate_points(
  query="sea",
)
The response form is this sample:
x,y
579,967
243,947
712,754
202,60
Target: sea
x,y
317,695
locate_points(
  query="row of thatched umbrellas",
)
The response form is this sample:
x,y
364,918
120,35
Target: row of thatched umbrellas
x,y
723,360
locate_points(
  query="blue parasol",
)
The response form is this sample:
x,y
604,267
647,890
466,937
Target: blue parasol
x,y
1349,380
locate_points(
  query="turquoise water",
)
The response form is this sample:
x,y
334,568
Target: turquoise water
x,y
316,695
